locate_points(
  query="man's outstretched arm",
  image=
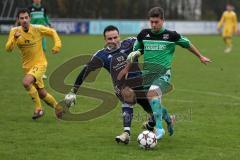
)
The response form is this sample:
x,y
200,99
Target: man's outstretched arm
x,y
197,53
94,64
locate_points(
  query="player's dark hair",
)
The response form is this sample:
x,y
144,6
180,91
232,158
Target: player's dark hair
x,y
110,28
23,10
156,12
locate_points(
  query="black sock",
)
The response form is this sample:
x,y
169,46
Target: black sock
x,y
151,123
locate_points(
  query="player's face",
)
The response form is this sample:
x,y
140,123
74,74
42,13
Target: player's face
x,y
37,1
229,7
112,39
156,23
24,20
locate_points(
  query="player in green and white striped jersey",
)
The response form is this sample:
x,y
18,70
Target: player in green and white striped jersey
x,y
38,15
157,44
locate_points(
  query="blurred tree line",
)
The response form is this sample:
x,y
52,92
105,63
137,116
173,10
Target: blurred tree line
x,y
129,9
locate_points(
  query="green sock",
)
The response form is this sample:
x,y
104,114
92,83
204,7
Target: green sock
x,y
157,111
166,115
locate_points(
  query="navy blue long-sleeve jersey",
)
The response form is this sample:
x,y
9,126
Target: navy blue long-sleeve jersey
x,y
113,62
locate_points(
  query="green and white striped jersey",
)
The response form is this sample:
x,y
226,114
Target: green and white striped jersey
x,y
38,15
158,49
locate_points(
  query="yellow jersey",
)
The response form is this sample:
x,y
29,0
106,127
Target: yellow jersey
x,y
30,44
228,21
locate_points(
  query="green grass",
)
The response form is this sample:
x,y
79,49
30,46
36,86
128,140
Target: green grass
x,y
206,101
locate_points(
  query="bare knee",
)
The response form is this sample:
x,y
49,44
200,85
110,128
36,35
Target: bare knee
x,y
151,94
42,93
128,94
154,91
28,80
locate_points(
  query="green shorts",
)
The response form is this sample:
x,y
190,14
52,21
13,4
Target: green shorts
x,y
163,81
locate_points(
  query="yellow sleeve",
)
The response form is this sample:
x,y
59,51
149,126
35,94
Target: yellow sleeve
x,y
235,23
11,43
52,33
220,23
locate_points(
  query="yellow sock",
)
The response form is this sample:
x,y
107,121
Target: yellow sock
x,y
35,97
50,100
229,42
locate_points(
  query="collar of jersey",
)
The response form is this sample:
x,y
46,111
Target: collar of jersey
x,y
159,32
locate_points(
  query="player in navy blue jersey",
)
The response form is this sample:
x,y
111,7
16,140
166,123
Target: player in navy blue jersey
x,y
113,58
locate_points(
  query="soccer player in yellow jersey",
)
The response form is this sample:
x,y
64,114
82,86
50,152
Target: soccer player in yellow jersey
x,y
28,38
229,23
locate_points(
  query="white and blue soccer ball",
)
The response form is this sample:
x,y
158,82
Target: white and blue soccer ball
x,y
147,139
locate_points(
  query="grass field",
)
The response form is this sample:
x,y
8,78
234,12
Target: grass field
x,y
206,102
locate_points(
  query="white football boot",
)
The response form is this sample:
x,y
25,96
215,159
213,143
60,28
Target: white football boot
x,y
123,138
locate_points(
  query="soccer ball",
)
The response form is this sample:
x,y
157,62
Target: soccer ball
x,y
147,140
70,99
